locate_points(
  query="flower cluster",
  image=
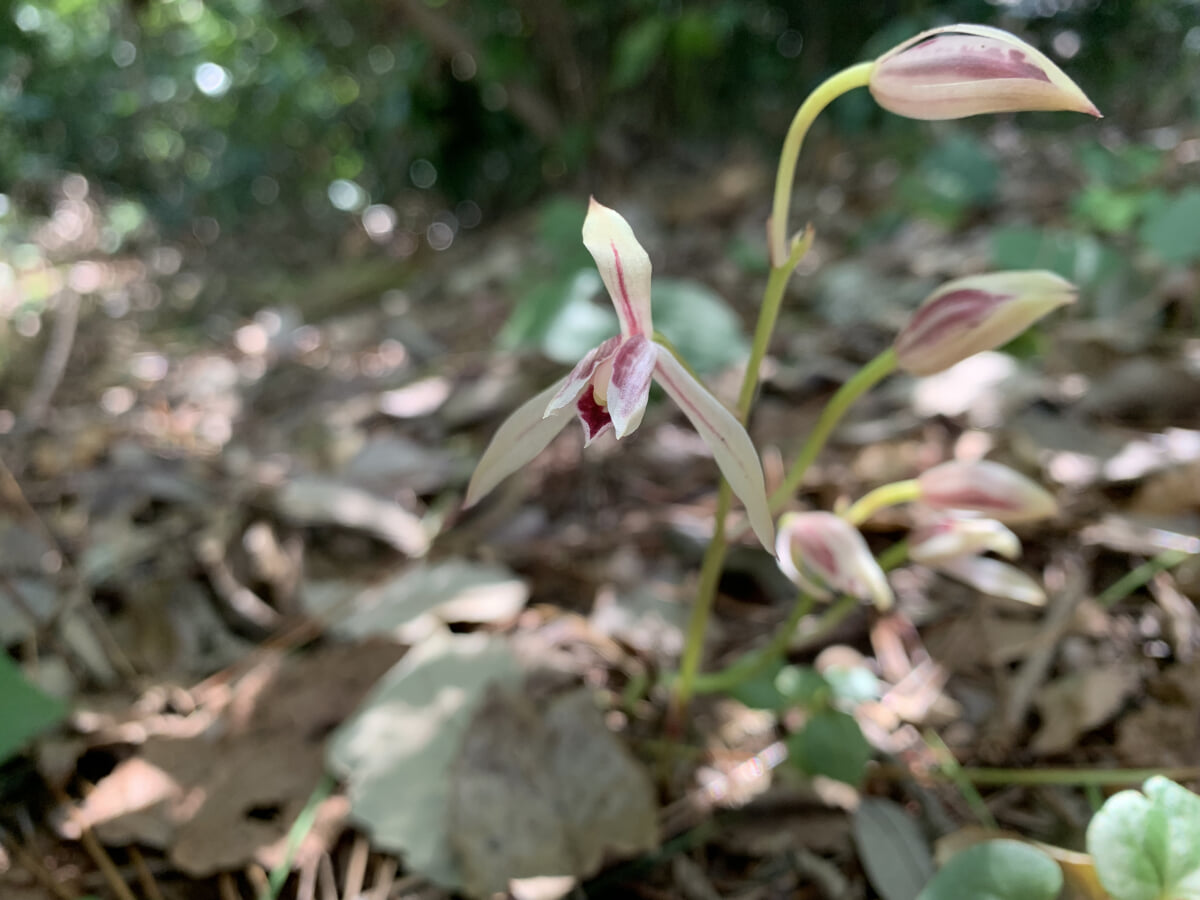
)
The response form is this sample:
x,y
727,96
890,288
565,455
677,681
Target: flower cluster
x,y
962,509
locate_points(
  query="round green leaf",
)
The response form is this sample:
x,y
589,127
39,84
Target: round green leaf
x,y
831,744
996,870
1147,846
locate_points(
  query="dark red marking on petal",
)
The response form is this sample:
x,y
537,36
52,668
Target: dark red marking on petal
x,y
594,417
971,498
626,303
629,384
814,552
980,63
955,311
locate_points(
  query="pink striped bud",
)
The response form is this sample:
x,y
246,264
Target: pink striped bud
x,y
824,554
966,70
976,313
985,487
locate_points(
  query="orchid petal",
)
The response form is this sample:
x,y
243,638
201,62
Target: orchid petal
x,y
825,548
523,436
624,266
726,438
986,487
581,375
943,537
966,70
994,578
593,417
629,386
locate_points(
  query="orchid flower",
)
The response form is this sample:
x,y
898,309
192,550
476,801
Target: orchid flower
x,y
986,488
953,543
966,70
824,555
609,387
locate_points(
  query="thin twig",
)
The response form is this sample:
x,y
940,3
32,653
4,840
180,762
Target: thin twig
x,y
356,869
54,363
145,876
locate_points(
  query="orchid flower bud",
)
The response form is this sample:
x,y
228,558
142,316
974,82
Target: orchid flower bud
x,y
994,578
966,70
976,313
987,488
825,555
942,537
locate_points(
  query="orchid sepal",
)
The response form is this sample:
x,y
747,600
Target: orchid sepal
x,y
624,266
987,488
994,578
522,436
726,438
965,70
980,312
824,554
945,536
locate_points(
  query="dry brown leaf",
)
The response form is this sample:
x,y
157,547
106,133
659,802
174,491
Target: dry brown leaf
x,y
552,794
1071,706
228,796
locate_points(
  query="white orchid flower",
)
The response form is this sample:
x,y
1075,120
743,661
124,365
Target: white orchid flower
x,y
610,386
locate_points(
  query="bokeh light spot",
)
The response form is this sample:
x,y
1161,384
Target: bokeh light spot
x,y
212,80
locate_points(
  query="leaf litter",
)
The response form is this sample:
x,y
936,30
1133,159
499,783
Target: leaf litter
x,y
344,443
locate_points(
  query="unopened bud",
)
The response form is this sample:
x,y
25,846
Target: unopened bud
x,y
976,313
946,536
966,70
987,488
825,555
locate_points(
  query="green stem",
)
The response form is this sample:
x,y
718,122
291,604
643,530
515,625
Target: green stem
x,y
747,666
1100,777
881,498
1134,579
862,381
783,263
825,93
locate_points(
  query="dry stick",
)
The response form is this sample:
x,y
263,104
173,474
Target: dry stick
x,y
385,878
101,858
326,879
228,887
1033,671
356,869
145,876
54,363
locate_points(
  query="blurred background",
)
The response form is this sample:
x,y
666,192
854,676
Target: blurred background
x,y
272,271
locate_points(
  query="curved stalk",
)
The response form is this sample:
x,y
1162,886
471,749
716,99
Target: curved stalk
x,y
783,263
862,381
825,93
881,498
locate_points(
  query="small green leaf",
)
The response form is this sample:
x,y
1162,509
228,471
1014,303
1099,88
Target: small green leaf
x,y
701,325
803,686
25,710
638,49
892,849
997,870
1172,231
1147,846
760,691
852,685
831,744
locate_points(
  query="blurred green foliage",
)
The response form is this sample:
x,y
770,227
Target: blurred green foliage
x,y
242,117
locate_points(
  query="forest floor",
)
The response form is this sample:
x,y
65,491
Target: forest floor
x,y
219,531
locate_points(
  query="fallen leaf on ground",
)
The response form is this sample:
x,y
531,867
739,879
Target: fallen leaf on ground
x,y
414,604
228,795
1072,706
550,794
